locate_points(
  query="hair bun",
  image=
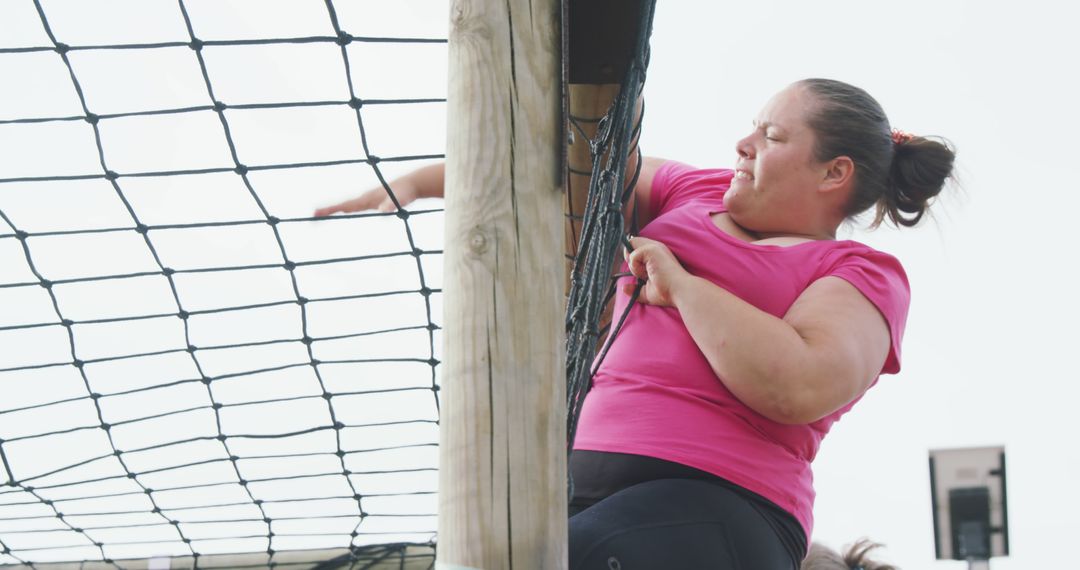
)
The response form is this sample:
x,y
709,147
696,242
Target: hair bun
x,y
919,170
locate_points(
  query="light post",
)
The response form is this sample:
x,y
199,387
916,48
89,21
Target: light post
x,y
967,488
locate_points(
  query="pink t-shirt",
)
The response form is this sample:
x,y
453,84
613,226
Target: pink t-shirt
x,y
655,393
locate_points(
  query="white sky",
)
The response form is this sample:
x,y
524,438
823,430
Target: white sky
x,y
987,354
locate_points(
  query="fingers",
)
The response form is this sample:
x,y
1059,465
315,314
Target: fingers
x,y
635,255
651,263
637,242
354,205
628,247
643,290
366,201
636,262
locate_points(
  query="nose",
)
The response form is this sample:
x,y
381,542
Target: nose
x,y
745,147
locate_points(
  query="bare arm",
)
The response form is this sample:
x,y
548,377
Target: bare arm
x,y
428,182
643,190
425,182
825,351
821,355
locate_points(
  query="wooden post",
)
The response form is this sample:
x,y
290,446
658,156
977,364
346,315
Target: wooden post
x,y
502,479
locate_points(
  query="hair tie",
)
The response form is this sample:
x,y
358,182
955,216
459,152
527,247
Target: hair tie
x,y
901,137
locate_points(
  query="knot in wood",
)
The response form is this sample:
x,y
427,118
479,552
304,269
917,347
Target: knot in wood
x,y
478,242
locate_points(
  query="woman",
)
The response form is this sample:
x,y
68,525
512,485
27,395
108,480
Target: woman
x,y
755,331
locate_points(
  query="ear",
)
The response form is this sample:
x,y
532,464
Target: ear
x,y
839,175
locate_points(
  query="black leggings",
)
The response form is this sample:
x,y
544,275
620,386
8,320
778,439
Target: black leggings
x,y
675,524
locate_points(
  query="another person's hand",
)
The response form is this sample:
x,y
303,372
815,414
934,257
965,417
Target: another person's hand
x,y
653,261
376,198
425,182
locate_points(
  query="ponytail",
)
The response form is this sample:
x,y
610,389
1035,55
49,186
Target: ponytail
x,y
920,167
897,172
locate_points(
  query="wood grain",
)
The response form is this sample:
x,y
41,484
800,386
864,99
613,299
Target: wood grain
x,y
502,476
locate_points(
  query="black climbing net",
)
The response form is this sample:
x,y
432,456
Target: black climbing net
x,y
603,228
190,363
194,366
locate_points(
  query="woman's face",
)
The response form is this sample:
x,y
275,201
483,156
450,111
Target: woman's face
x,y
776,173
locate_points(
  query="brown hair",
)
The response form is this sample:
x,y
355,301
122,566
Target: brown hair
x,y
821,557
899,178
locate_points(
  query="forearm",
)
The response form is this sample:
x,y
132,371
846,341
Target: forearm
x,y
429,181
760,358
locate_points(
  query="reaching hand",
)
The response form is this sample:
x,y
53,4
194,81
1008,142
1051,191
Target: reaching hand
x,y
376,198
661,270
425,182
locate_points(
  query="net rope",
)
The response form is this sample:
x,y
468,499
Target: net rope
x,y
79,509
610,194
87,506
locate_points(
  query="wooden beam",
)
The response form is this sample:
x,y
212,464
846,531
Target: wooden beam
x,y
502,479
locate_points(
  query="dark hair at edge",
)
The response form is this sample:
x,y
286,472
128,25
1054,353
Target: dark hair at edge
x,y
900,179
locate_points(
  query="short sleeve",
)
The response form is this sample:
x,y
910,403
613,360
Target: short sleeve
x,y
675,184
882,280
